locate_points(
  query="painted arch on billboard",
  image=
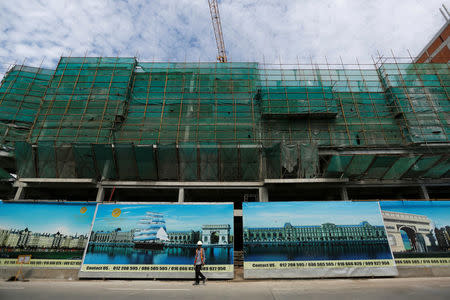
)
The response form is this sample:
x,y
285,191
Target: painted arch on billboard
x,y
418,231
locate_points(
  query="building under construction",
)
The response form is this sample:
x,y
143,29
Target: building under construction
x,y
123,130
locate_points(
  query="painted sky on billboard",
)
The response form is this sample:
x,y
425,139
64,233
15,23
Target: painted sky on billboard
x,y
276,214
437,211
50,218
178,217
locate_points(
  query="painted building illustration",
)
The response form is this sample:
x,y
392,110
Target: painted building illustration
x,y
216,234
26,239
184,237
443,237
116,236
327,232
412,232
409,232
209,235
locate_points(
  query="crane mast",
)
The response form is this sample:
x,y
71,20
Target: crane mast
x,y
215,16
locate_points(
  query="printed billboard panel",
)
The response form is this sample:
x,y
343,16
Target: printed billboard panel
x,y
159,241
315,239
418,231
54,234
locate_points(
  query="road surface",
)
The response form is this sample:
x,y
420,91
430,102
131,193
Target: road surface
x,y
385,288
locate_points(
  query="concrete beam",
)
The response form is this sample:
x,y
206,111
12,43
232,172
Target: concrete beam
x,y
184,184
58,180
180,195
344,194
100,195
365,152
17,183
424,190
309,180
263,194
19,193
397,183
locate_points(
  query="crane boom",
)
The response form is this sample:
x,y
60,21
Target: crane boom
x,y
215,16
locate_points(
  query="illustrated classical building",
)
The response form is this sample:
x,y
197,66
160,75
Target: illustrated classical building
x,y
327,232
443,237
418,228
112,237
183,237
3,236
38,240
216,234
28,240
12,239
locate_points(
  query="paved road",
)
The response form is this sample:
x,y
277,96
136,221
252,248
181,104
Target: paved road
x,y
386,289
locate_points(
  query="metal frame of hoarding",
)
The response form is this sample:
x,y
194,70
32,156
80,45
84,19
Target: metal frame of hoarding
x,y
161,275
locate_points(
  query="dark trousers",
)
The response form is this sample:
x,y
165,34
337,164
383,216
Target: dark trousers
x,y
198,274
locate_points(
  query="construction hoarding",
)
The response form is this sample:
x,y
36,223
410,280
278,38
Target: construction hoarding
x,y
159,241
315,239
418,231
54,234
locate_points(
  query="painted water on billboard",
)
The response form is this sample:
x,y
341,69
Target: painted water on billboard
x,y
159,238
418,231
54,234
302,235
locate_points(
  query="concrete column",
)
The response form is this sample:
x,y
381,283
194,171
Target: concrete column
x,y
263,194
19,192
424,190
100,194
344,194
180,195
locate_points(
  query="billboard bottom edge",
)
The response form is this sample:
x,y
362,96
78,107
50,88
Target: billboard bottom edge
x,y
168,275
322,273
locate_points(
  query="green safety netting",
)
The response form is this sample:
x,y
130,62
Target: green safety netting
x,y
65,162
290,102
166,162
46,160
118,118
209,158
4,175
21,92
146,162
84,161
188,157
84,100
422,165
229,162
105,161
25,160
216,162
191,103
418,95
127,164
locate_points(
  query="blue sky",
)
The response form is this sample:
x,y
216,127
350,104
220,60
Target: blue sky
x,y
177,217
275,214
35,31
437,211
47,218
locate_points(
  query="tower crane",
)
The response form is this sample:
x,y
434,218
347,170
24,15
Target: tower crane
x,y
215,16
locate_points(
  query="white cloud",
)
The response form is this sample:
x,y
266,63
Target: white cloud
x,y
178,30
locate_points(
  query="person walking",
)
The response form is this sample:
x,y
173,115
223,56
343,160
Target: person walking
x,y
199,261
